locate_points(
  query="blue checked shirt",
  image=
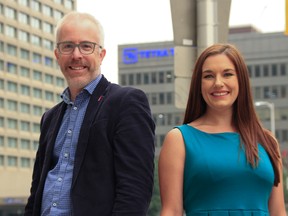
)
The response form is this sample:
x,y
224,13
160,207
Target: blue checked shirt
x,y
56,198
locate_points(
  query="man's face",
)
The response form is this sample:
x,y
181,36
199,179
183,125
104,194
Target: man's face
x,y
79,69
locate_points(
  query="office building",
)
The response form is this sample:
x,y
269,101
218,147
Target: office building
x,y
150,66
30,83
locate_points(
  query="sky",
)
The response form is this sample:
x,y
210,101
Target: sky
x,y
142,21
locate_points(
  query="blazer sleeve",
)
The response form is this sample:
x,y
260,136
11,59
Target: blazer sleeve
x,y
133,154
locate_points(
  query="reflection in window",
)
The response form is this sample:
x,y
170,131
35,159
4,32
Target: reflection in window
x,y
36,58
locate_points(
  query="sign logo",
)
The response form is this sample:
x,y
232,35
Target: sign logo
x,y
132,55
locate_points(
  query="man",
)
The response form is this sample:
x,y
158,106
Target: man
x,y
96,148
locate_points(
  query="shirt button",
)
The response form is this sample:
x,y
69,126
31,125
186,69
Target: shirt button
x,y
66,155
75,108
54,204
69,131
59,179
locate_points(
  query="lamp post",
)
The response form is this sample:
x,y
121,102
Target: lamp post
x,y
272,113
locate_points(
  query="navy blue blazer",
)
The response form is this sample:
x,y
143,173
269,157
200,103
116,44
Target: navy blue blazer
x,y
114,161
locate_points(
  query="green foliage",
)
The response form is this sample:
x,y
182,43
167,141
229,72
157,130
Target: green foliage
x,y
155,205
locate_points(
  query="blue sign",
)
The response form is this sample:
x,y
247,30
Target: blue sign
x,y
132,55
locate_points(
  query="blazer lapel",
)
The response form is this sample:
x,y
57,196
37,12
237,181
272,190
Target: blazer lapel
x,y
93,107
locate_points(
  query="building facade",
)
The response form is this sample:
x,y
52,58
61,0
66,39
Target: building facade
x,y
30,83
150,67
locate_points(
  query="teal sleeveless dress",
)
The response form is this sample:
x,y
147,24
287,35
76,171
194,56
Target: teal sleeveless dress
x,y
218,181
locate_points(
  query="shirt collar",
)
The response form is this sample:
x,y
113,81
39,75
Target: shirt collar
x,y
88,88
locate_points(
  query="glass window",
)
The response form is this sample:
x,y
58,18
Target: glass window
x,y
274,70
12,142
35,5
161,77
1,160
1,26
23,36
35,40
60,82
25,144
12,123
25,90
23,2
283,90
12,50
12,86
47,10
23,18
58,1
169,77
169,98
24,72
48,79
1,122
283,69
37,93
146,78
1,46
68,4
48,61
47,27
24,54
123,79
10,13
131,79
265,70
1,65
161,98
257,71
25,162
35,145
25,108
36,58
48,44
257,92
25,126
267,93
12,105
1,141
12,161
37,75
11,68
35,22
57,14
49,96
154,78
153,98
36,127
1,103
2,84
10,31
138,79
37,110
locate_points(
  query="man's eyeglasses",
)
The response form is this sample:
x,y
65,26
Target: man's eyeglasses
x,y
85,47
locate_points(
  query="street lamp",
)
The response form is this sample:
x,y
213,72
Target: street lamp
x,y
272,113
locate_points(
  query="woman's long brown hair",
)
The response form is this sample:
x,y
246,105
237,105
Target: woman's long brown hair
x,y
244,116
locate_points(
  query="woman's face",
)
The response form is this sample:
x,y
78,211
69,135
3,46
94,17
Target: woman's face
x,y
219,85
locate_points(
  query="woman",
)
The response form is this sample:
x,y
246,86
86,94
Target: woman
x,y
221,161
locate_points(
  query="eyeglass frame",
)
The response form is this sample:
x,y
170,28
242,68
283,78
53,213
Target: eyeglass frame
x,y
78,46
